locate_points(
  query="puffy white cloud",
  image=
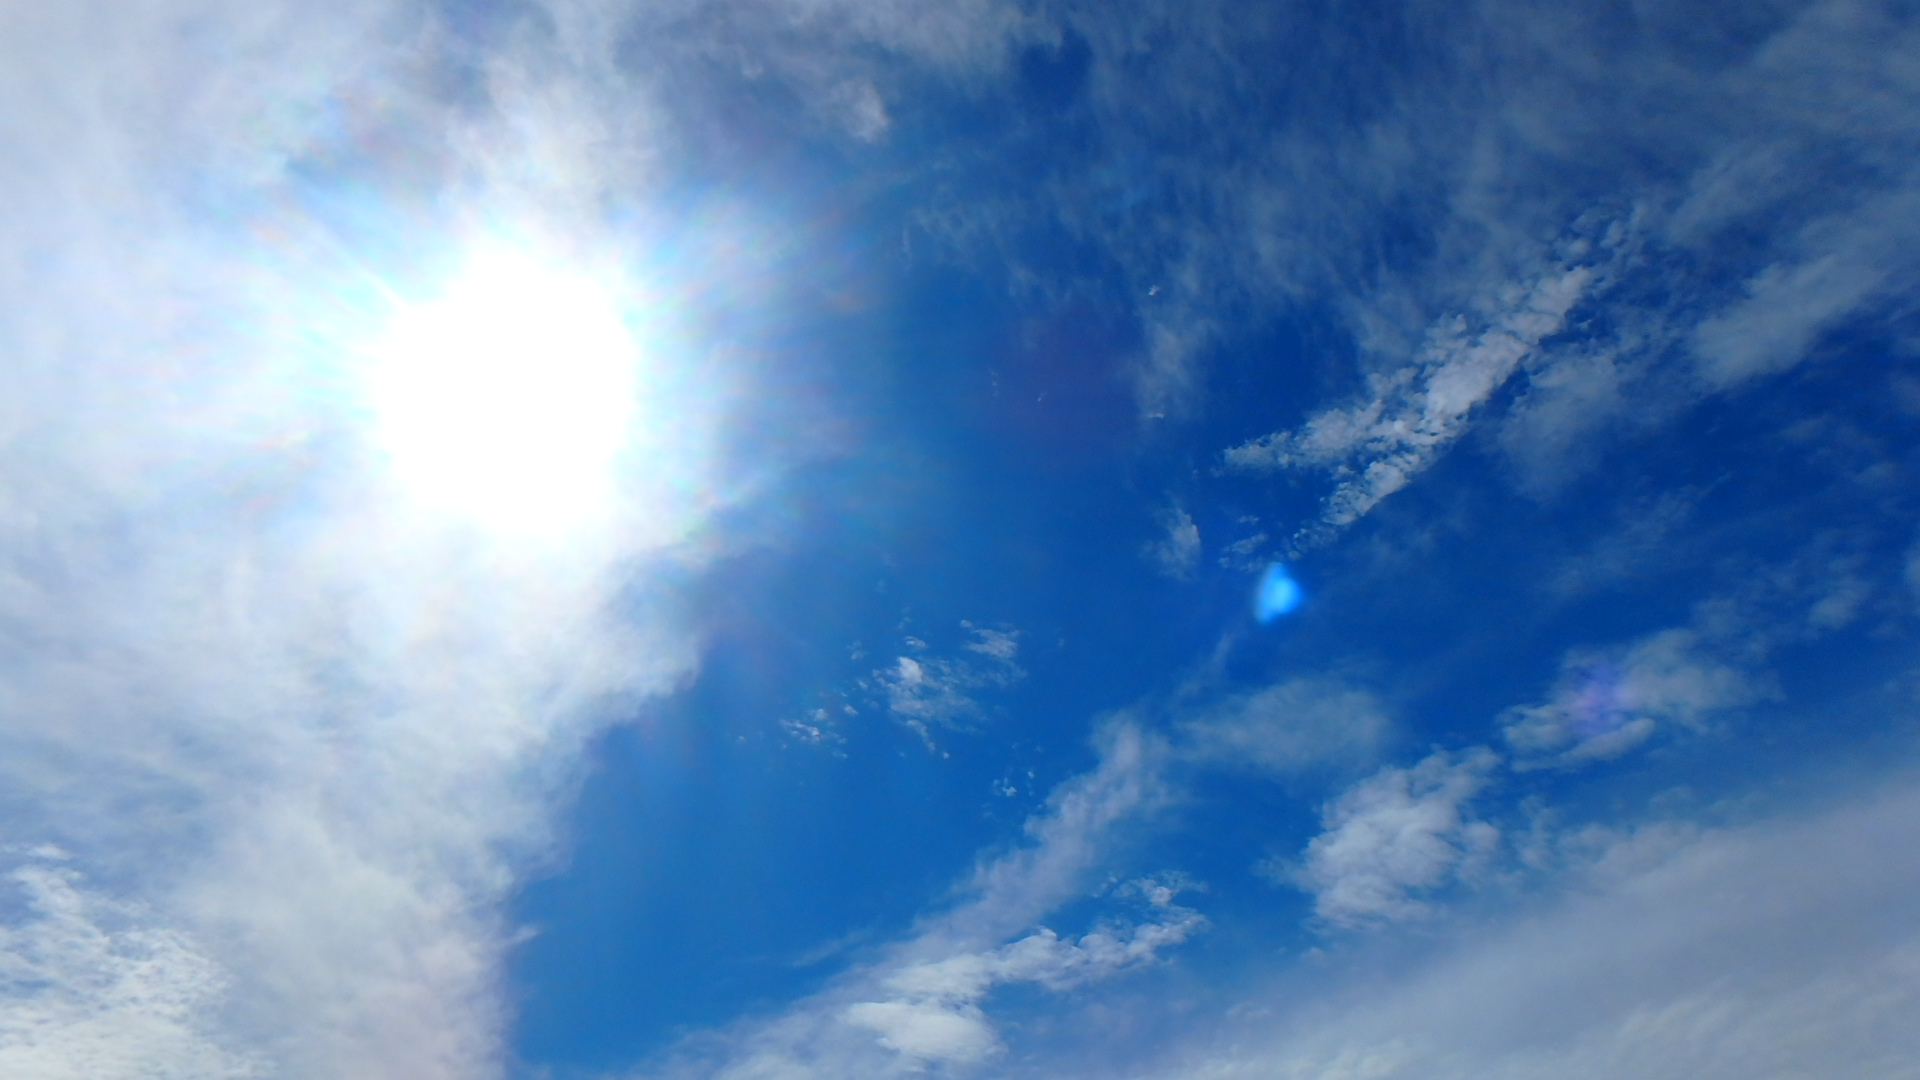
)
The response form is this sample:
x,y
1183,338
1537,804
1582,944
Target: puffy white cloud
x,y
928,1030
1398,832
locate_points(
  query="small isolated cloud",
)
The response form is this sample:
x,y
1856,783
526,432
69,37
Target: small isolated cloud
x,y
1608,703
1001,645
1374,447
861,109
816,728
1245,553
1177,552
1396,833
1288,728
927,692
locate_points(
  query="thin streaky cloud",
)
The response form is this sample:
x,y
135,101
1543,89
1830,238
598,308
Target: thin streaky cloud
x,y
1412,414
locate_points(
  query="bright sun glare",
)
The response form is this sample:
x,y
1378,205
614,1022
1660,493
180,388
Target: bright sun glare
x,y
508,398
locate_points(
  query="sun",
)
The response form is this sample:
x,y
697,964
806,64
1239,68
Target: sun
x,y
508,399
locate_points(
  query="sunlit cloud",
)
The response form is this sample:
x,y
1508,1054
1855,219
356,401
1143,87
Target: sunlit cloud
x,y
358,471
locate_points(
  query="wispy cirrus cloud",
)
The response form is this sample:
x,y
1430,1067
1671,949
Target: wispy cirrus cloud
x,y
1412,414
1461,184
926,692
918,1004
1178,552
1607,702
924,1001
1615,917
931,1011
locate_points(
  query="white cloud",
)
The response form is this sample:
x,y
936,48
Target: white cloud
x,y
1608,703
1839,263
1374,447
1772,952
1178,552
1668,933
932,1010
1289,728
1572,397
927,692
1786,306
816,728
1396,833
923,1003
1001,645
1808,203
1246,553
317,750
865,111
89,992
943,1031
300,737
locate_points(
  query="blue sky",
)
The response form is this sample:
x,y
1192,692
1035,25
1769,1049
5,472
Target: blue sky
x,y
746,540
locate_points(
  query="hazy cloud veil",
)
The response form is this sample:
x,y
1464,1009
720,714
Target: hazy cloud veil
x,y
274,743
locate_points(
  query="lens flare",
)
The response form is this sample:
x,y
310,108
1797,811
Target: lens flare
x,y
1278,594
508,399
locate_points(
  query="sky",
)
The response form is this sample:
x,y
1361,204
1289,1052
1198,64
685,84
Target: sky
x,y
808,539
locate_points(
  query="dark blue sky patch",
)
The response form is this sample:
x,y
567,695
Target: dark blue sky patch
x,y
1053,76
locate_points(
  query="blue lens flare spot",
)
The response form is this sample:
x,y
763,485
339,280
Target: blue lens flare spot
x,y
1278,595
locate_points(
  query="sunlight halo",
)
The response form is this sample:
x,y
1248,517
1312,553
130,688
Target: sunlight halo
x,y
508,399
